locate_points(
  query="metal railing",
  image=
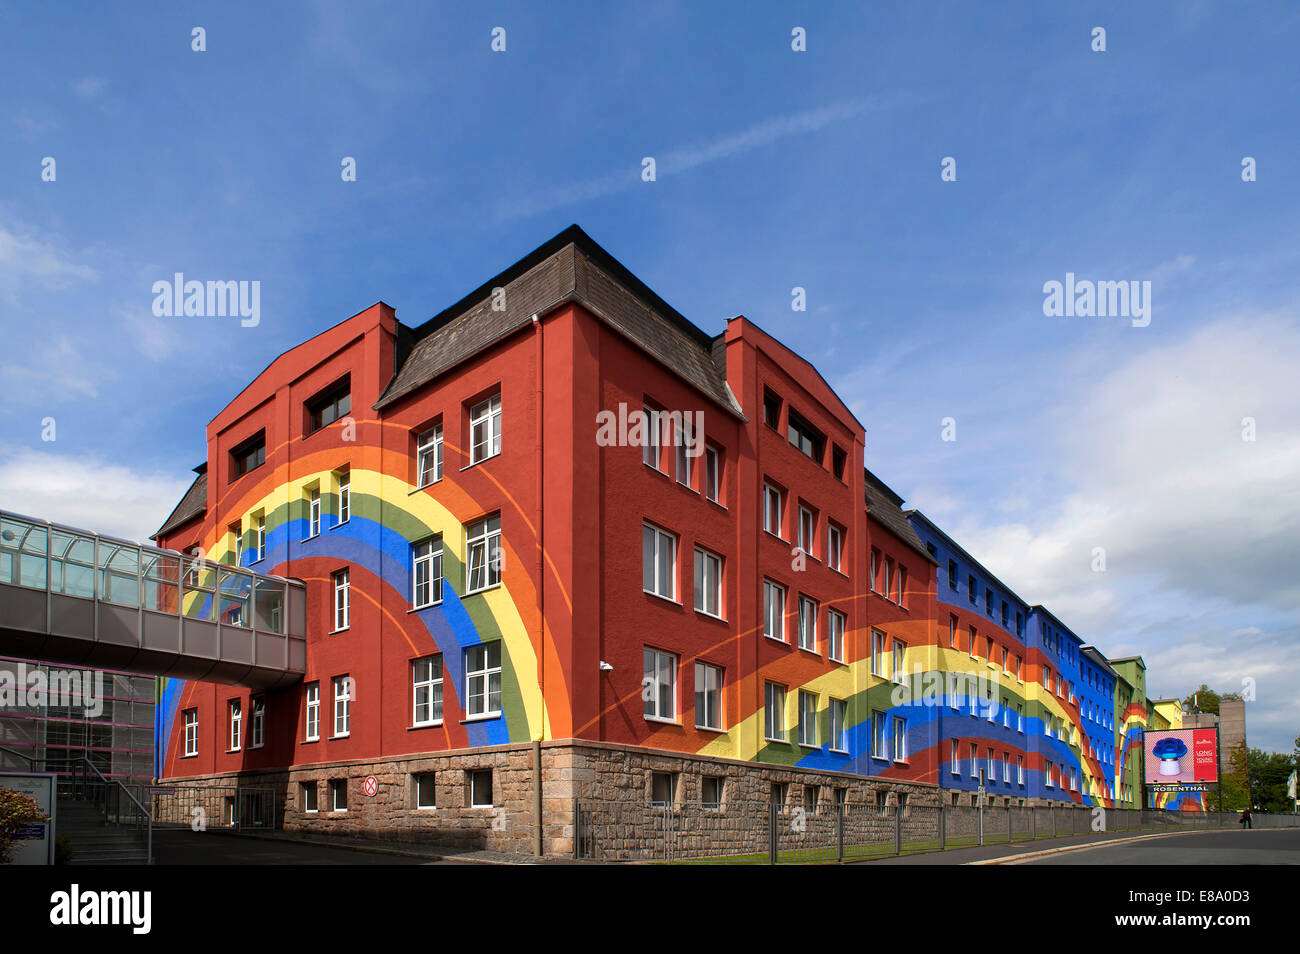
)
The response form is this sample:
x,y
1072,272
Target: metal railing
x,y
115,800
768,833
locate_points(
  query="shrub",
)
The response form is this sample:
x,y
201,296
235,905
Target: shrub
x,y
16,811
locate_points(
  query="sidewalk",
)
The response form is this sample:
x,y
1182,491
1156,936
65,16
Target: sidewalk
x,y
992,853
431,853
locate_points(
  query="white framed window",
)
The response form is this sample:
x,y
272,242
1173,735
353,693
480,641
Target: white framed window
x,y
839,740
338,794
1020,770
651,450
236,725
712,474
342,600
835,634
773,509
900,668
774,712
238,530
259,538
900,739
1006,713
879,735
900,582
807,528
877,653
257,731
345,500
428,457
485,429
659,684
807,624
342,705
483,543
708,696
312,721
807,718
991,774
954,760
483,680
426,573
974,753
685,462
426,675
658,562
834,546
708,582
313,513
774,610
191,731
426,791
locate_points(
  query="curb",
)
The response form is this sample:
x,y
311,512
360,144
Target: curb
x,y
1026,856
378,848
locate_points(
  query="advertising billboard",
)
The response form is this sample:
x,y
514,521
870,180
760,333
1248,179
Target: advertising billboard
x,y
1181,759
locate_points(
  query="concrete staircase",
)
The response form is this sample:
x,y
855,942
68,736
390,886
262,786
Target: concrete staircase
x,y
94,842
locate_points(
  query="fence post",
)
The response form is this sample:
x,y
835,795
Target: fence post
x,y
1052,810
772,841
839,830
943,827
1008,824
577,830
979,822
1033,822
898,829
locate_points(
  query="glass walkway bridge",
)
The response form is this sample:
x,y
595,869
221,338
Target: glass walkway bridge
x,y
70,596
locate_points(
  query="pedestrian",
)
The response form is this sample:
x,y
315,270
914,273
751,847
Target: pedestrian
x,y
1246,821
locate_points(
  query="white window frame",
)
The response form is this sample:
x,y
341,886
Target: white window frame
x,y
708,582
807,718
880,737
484,555
342,599
877,653
773,509
663,579
974,751
835,624
260,537
342,706
685,462
485,670
1020,770
900,739
808,612
898,663
312,722
652,449
774,610
430,562
345,500
712,474
191,731
428,457
236,714
708,696
659,677
807,529
426,681
313,513
774,712
954,757
839,717
257,726
487,415
834,547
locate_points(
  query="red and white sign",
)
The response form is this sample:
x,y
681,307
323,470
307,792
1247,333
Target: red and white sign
x,y
370,786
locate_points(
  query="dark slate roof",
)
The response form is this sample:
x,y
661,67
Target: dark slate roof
x,y
193,504
1096,655
886,507
570,267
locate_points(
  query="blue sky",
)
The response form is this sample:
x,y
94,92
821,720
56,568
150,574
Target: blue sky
x,y
819,169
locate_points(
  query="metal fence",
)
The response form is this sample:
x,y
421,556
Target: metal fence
x,y
202,807
768,833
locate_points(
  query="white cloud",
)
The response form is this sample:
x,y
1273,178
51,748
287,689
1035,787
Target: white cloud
x,y
25,258
56,372
89,87
686,157
83,491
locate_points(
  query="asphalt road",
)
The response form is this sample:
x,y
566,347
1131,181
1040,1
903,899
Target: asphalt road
x,y
203,848
1259,846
